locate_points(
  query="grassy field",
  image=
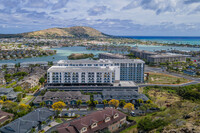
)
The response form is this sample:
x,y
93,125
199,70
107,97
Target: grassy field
x,y
133,129
174,114
159,78
26,99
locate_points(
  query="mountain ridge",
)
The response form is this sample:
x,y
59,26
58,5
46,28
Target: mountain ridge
x,y
70,32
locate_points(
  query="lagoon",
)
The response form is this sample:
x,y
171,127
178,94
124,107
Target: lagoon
x,y
63,52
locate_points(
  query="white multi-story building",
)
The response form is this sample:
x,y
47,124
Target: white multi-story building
x,y
129,69
70,74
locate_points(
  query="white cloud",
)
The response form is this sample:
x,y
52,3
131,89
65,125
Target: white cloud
x,y
143,15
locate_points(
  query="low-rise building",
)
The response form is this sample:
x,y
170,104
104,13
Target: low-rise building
x,y
32,80
33,120
69,98
141,53
190,72
169,57
9,93
156,58
127,95
111,56
2,79
99,121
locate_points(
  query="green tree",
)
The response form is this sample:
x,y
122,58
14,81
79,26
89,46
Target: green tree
x,y
79,102
42,80
95,102
122,103
4,98
89,102
18,88
19,97
140,101
178,81
42,104
104,102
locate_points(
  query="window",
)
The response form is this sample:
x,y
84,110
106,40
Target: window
x,y
94,125
116,115
84,129
107,119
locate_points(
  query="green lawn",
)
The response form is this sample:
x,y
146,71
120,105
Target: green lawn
x,y
133,128
58,120
159,78
26,99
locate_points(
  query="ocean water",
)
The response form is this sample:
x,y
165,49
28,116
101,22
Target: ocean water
x,y
63,52
169,39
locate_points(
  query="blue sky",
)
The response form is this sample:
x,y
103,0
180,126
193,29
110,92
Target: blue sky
x,y
115,17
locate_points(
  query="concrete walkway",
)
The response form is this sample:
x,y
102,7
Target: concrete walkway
x,y
52,125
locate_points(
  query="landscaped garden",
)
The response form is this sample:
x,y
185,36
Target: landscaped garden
x,y
26,99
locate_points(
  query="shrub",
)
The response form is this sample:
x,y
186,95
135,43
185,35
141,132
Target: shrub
x,y
148,124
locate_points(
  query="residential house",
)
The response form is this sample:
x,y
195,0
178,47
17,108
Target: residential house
x,y
4,116
2,79
33,79
9,93
189,72
69,98
127,95
100,121
33,120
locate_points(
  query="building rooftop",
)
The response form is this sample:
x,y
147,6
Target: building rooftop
x,y
168,55
79,69
103,61
95,117
27,122
64,96
126,60
120,95
9,92
125,83
113,55
4,116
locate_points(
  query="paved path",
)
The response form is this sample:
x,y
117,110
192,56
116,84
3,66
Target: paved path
x,y
52,125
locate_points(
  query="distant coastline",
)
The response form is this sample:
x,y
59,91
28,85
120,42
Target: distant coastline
x,y
186,41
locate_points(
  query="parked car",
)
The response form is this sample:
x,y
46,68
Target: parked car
x,y
133,113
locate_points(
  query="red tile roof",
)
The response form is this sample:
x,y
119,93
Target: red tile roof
x,y
95,117
5,116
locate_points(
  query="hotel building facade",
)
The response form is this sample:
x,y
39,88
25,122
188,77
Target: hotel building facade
x,y
74,75
97,71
